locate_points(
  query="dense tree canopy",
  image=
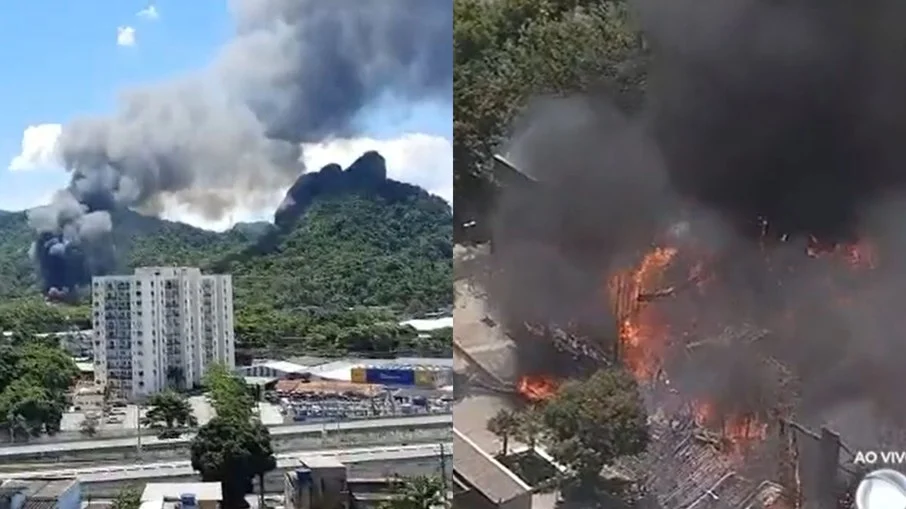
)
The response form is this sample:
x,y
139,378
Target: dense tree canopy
x,y
590,423
508,51
229,395
168,410
584,426
33,315
234,447
129,497
34,379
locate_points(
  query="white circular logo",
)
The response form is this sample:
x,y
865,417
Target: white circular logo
x,y
882,489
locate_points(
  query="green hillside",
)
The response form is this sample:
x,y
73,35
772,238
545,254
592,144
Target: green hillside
x,y
337,277
352,251
140,240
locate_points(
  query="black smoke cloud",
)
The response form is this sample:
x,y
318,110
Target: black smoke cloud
x,y
295,71
768,124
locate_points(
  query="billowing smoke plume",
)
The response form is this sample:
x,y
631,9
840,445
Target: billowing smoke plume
x,y
772,129
295,71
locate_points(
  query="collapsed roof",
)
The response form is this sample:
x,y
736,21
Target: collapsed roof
x,y
684,468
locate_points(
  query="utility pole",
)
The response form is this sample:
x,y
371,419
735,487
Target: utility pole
x,y
138,428
443,473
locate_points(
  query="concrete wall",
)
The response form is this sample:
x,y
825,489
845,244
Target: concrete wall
x,y
72,498
178,450
523,501
273,481
472,499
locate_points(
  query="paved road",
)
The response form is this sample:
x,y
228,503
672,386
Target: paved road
x,y
277,432
362,462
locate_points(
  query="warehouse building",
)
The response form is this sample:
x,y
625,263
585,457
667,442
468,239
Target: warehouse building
x,y
430,324
400,372
272,369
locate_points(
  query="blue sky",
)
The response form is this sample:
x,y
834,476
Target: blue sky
x,y
64,60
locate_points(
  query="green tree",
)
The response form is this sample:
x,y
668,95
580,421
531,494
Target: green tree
x,y
34,379
47,366
168,409
233,452
29,409
530,426
128,497
419,492
592,422
234,447
89,425
504,424
229,395
508,51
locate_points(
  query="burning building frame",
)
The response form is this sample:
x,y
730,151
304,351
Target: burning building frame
x,y
737,447
738,242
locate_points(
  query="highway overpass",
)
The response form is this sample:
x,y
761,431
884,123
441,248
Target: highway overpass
x,y
362,462
397,430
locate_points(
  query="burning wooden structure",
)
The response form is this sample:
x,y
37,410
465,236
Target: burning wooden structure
x,y
695,458
685,467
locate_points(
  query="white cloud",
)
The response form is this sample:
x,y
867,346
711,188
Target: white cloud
x,y
420,159
176,211
39,147
149,13
125,36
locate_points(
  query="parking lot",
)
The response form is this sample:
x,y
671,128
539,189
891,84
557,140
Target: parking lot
x,y
339,408
119,419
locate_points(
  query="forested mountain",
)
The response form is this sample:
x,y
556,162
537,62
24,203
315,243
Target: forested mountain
x,y
346,239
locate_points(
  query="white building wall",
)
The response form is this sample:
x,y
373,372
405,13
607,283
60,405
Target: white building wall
x,y
158,322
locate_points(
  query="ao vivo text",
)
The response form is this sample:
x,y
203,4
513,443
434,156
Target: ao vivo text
x,y
880,458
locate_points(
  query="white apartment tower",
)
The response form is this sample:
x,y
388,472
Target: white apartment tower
x,y
160,327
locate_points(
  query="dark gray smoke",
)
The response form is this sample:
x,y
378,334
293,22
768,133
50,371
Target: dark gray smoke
x,y
771,128
295,71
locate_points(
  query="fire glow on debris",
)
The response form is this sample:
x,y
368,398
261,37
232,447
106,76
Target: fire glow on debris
x,y
860,255
741,431
537,387
645,333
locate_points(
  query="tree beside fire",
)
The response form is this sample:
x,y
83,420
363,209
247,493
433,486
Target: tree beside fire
x,y
585,425
504,424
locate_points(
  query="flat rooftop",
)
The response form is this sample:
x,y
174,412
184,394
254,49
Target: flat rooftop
x,y
174,490
483,472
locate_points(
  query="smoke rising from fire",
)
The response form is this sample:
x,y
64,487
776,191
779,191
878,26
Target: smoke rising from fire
x,y
771,151
295,71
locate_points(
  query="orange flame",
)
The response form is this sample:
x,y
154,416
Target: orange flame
x,y
537,387
642,334
740,431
